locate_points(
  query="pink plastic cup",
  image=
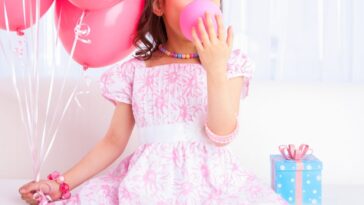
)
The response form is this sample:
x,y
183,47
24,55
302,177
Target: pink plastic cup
x,y
193,11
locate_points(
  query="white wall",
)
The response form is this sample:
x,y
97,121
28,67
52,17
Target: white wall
x,y
328,117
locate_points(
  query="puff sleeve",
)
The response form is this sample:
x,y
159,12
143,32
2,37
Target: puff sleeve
x,y
117,83
240,65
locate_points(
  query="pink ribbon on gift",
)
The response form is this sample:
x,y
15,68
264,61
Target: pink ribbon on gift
x,y
291,153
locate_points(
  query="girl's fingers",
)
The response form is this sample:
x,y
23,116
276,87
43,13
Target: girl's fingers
x,y
27,196
204,36
196,40
30,187
230,37
210,28
31,201
23,189
220,28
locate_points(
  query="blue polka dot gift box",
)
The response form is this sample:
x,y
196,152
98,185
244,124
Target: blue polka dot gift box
x,y
296,175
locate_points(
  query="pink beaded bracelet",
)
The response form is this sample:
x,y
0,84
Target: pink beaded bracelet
x,y
63,186
222,139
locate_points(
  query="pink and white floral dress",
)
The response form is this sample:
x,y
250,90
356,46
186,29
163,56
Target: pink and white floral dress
x,y
176,162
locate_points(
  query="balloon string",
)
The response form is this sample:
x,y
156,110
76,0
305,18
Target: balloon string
x,y
81,32
58,26
32,105
87,80
51,87
28,126
50,97
36,86
24,12
54,128
42,198
62,116
27,123
63,85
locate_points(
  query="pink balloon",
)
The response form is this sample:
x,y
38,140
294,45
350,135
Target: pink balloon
x,y
18,18
193,11
104,36
94,4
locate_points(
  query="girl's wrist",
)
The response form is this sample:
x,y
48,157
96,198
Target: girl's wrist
x,y
63,188
216,75
69,181
216,71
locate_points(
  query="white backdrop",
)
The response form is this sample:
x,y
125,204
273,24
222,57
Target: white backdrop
x,y
301,40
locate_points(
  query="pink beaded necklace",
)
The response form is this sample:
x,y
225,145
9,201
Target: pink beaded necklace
x,y
177,55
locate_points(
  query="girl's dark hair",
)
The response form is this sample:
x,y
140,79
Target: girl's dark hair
x,y
153,25
151,32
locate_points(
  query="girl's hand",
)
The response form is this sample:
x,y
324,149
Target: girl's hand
x,y
48,187
214,48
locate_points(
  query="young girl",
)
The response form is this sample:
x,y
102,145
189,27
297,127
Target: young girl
x,y
184,99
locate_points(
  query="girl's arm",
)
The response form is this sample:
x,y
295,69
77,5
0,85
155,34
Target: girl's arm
x,y
223,102
214,50
107,150
99,157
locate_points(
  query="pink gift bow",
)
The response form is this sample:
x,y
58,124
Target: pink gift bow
x,y
291,153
